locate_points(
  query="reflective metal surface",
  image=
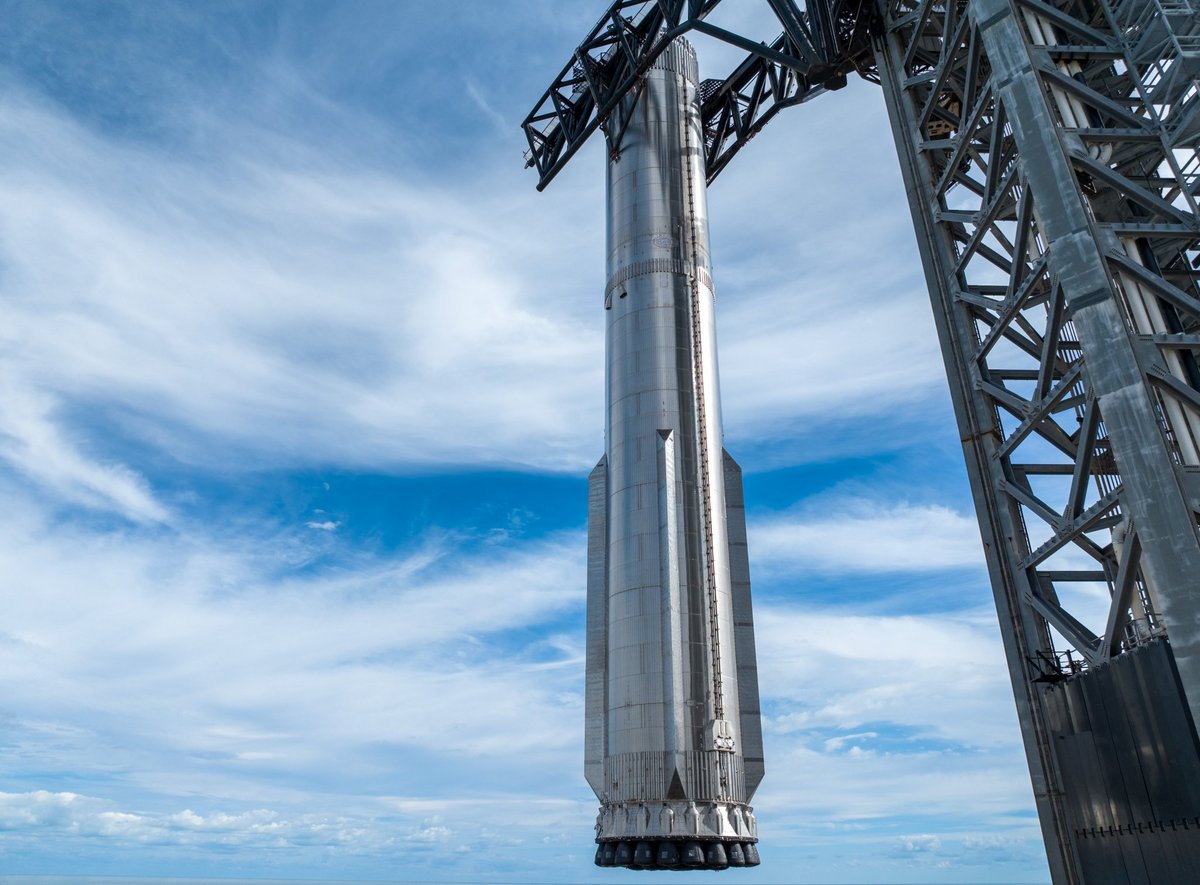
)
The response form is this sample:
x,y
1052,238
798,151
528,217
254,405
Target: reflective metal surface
x,y
671,751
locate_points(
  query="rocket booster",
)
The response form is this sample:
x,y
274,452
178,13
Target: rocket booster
x,y
673,746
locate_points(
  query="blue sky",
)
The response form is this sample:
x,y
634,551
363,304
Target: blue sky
x,y
300,381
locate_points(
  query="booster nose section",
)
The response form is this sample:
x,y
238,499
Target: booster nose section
x,y
673,742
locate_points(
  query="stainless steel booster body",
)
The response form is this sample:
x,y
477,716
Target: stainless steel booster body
x,y
673,737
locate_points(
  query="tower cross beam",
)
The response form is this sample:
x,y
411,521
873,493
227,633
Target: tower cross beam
x,y
814,52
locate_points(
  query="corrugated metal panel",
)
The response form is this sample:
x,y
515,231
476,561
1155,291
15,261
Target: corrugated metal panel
x,y
1118,762
1130,762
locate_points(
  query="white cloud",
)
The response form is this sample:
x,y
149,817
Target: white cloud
x,y
200,649
507,837
823,311
922,842
277,300
941,675
788,360
838,743
35,445
849,535
244,692
291,307
54,814
875,718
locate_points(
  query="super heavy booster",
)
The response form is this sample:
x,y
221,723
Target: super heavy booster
x,y
674,742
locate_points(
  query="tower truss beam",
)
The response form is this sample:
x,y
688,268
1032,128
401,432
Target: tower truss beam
x,y
1055,208
813,53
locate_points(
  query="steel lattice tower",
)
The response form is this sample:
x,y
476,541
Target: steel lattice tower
x,y
1050,155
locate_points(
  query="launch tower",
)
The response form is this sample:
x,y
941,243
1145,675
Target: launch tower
x,y
1050,154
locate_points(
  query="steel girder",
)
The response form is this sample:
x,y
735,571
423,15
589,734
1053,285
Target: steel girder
x,y
814,52
1049,154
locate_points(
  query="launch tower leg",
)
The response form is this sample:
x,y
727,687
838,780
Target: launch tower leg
x,y
1049,154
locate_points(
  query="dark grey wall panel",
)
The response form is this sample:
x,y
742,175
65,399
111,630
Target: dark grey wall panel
x,y
1130,762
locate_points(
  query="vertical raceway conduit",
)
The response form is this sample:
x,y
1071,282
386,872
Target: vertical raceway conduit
x,y
719,733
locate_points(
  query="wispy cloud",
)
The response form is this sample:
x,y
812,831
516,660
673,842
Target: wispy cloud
x,y
481,102
299,308
56,818
34,444
202,648
309,312
876,726
881,667
825,326
850,535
